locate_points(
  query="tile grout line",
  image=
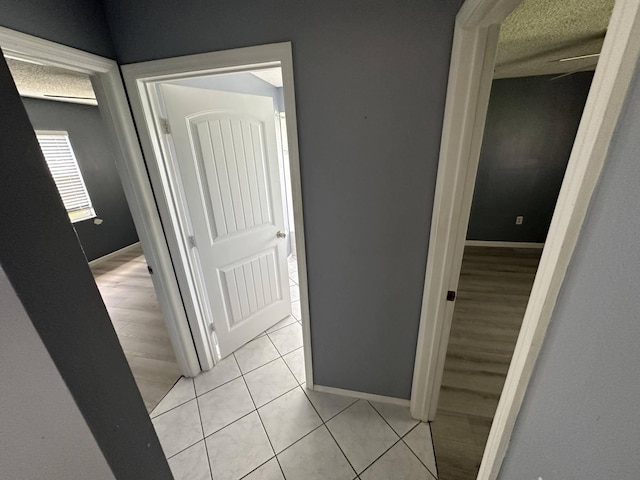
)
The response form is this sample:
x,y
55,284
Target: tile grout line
x,y
385,420
260,417
206,448
340,448
401,437
322,423
327,427
266,332
433,448
165,396
240,418
380,456
298,384
249,413
198,395
415,454
275,455
394,443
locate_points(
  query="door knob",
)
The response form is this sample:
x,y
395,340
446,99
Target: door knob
x,y
281,234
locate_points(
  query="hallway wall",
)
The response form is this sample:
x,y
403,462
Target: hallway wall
x,y
370,82
43,433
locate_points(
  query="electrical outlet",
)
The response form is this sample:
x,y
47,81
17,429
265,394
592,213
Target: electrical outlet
x,y
519,220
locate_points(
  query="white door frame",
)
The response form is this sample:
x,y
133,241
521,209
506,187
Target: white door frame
x,y
471,74
141,80
114,109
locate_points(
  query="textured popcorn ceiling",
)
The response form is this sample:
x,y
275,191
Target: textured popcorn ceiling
x,y
532,40
540,32
43,81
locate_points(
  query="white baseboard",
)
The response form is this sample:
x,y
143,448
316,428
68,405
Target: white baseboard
x,y
106,257
363,395
489,243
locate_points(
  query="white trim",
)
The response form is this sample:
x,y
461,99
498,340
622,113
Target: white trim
x,y
109,256
470,75
81,101
372,397
114,109
140,78
497,244
469,82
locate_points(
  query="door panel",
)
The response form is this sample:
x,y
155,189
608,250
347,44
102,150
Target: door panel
x,y
225,149
250,286
232,168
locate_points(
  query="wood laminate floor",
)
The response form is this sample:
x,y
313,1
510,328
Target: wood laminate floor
x,y
494,288
127,291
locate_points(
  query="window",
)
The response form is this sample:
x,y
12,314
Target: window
x,y
63,166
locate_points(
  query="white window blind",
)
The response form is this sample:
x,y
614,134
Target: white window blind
x,y
63,166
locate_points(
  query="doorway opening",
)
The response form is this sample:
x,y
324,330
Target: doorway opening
x,y
212,128
472,71
537,99
220,136
65,115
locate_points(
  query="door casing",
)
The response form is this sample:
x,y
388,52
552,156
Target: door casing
x,y
470,77
114,109
141,80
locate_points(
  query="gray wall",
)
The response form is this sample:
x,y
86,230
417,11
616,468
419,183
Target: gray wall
x,y
76,23
43,433
93,147
370,79
531,125
580,416
41,256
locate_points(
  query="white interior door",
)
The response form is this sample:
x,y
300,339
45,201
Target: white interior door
x,y
227,162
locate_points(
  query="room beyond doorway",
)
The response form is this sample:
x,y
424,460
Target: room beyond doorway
x,y
457,175
73,136
127,291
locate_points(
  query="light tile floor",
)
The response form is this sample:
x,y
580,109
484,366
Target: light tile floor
x,y
252,418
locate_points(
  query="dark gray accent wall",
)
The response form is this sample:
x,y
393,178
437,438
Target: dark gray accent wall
x,y
75,23
43,261
92,147
579,418
531,125
370,80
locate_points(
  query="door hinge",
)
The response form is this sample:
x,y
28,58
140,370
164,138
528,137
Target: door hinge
x,y
165,125
192,241
214,339
451,296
